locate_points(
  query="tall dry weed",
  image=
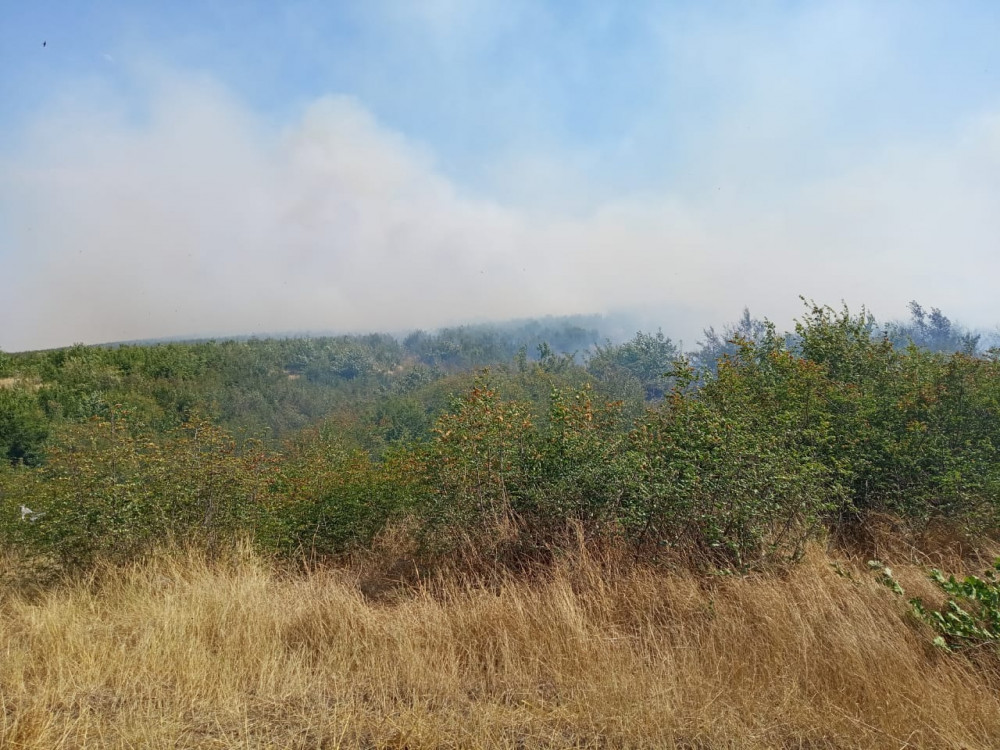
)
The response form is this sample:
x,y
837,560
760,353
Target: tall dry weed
x,y
187,652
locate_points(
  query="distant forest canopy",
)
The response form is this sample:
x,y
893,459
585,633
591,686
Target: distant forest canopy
x,y
742,448
271,387
927,327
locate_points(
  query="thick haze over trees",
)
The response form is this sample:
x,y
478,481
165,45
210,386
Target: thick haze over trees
x,y
248,167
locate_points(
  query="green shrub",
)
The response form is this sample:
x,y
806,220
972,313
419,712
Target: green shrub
x,y
23,427
112,490
327,497
971,616
734,469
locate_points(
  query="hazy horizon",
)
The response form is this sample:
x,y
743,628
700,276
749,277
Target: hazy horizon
x,y
245,168
615,327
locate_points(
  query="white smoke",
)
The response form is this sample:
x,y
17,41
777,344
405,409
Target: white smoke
x,y
194,216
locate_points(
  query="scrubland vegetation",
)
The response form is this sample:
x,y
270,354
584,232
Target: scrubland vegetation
x,y
514,537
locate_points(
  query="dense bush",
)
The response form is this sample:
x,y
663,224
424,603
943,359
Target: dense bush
x,y
915,432
327,497
110,489
783,437
23,427
735,468
648,358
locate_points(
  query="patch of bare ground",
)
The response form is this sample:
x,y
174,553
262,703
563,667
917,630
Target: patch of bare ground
x,y
180,652
19,382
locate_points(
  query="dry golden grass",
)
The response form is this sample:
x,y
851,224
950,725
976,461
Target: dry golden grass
x,y
14,382
183,653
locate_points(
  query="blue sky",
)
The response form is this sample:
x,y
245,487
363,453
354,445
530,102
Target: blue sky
x,y
228,167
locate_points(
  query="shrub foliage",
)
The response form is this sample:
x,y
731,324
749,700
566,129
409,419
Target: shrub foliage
x,y
315,447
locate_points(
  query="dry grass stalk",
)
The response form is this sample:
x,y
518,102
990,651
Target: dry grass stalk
x,y
183,653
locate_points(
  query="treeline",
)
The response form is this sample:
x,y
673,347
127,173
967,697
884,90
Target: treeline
x,y
262,388
739,452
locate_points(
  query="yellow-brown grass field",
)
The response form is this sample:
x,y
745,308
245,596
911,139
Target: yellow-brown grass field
x,y
181,652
